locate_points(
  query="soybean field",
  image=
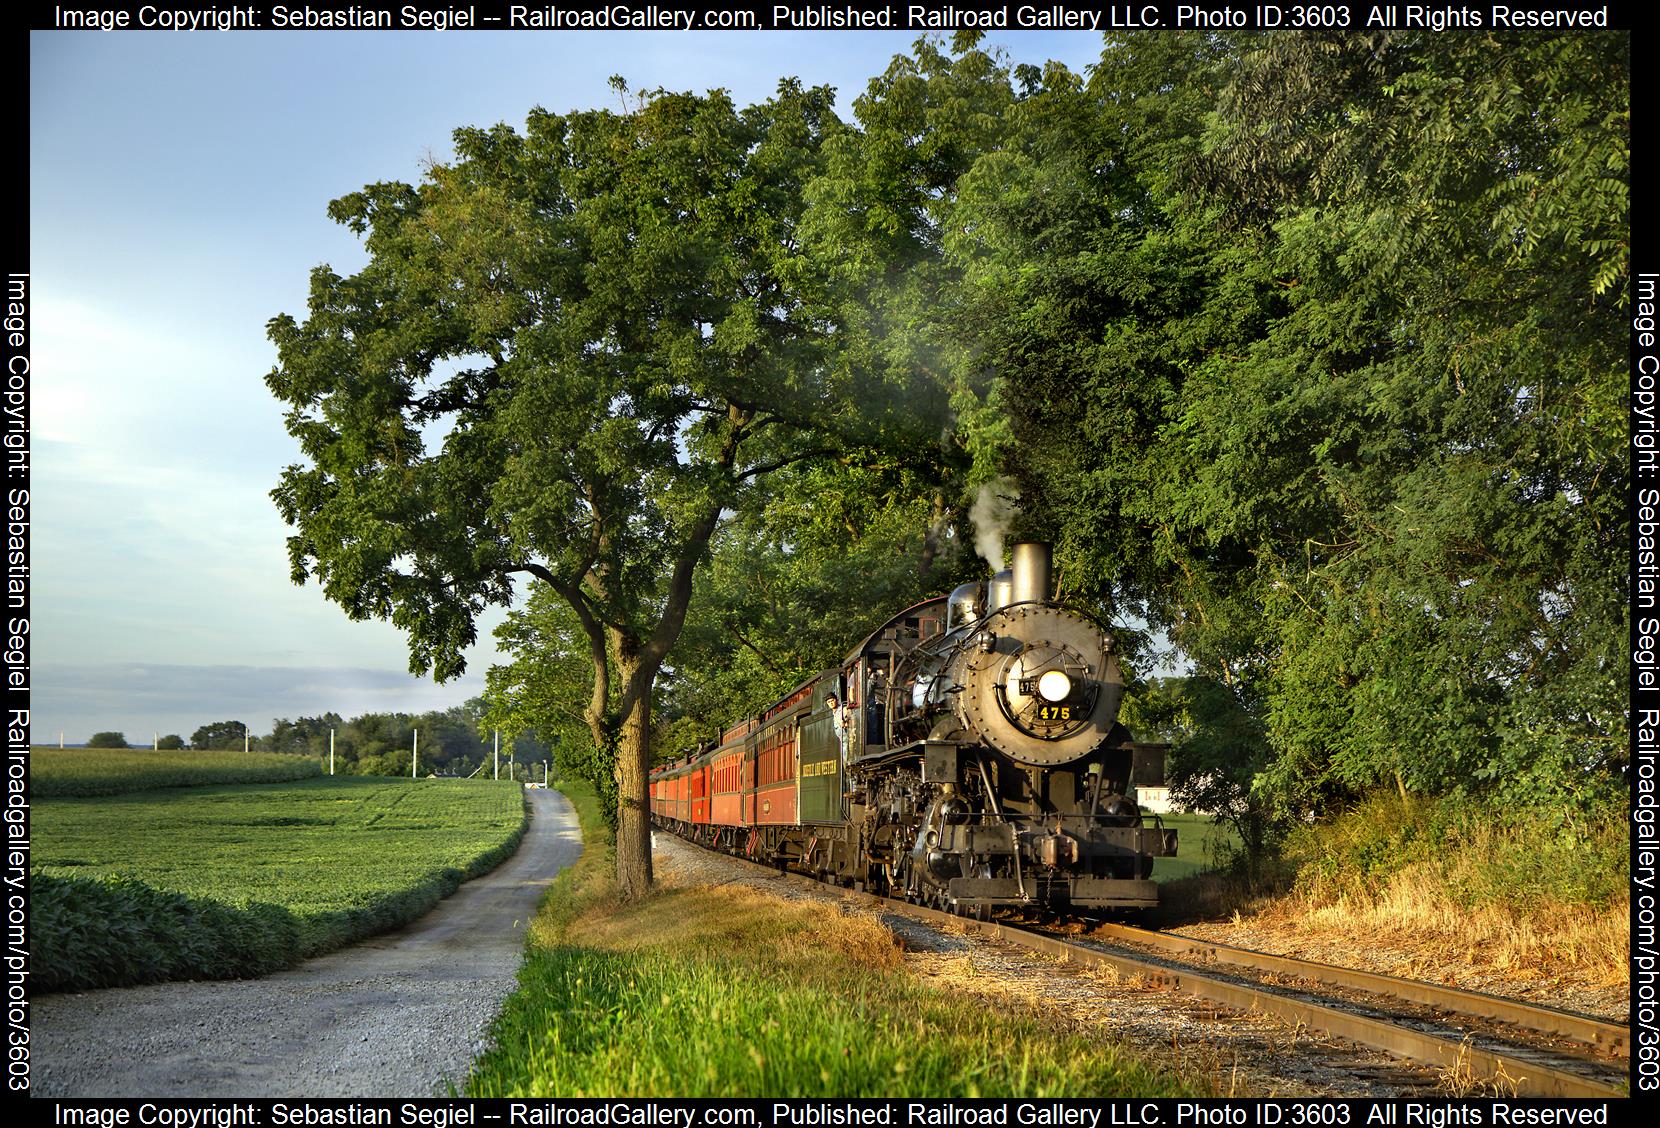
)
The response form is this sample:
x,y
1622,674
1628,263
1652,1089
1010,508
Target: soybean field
x,y
209,882
111,771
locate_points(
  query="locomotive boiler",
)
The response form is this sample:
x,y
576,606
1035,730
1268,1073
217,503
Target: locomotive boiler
x,y
967,754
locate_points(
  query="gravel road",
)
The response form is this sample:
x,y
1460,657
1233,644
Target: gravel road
x,y
394,1016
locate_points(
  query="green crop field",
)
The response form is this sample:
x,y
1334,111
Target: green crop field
x,y
111,771
228,881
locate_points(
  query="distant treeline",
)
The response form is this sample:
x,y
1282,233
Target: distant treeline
x,y
374,743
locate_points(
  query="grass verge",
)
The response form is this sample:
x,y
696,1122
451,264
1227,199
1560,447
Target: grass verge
x,y
237,881
114,771
1536,896
727,991
1201,844
1526,897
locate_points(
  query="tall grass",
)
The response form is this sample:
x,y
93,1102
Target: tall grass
x,y
1536,895
728,991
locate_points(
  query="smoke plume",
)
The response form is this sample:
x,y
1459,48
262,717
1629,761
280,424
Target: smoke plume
x,y
993,511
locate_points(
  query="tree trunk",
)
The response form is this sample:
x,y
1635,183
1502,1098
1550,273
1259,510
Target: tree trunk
x,y
931,537
633,784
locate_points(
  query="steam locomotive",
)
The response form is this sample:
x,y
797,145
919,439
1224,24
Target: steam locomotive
x,y
966,755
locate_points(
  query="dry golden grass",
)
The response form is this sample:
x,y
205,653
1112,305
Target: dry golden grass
x,y
1461,1079
727,917
1413,911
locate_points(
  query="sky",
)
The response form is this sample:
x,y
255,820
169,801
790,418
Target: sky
x,y
177,193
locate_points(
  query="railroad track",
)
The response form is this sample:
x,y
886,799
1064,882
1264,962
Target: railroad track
x,y
1401,1017
1528,1069
1605,1038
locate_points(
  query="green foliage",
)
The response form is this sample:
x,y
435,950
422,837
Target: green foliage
x,y
1438,557
332,861
220,735
172,742
1218,753
1311,350
794,584
119,931
107,740
73,771
547,689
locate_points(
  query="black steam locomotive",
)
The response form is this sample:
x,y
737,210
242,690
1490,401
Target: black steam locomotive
x,y
966,755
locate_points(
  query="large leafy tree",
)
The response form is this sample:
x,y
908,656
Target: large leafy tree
x,y
877,225
1081,285
1309,349
572,350
1314,354
1422,449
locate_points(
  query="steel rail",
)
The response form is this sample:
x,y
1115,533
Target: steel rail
x,y
1524,1078
1608,1036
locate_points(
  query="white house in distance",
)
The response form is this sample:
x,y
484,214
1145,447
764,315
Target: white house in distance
x,y
1147,786
1153,800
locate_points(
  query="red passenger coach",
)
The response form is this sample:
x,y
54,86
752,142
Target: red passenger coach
x,y
728,779
700,794
775,777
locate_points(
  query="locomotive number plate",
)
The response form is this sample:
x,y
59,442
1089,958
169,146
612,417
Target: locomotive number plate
x,y
1053,714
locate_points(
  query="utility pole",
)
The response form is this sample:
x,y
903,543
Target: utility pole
x,y
244,738
496,759
331,751
414,750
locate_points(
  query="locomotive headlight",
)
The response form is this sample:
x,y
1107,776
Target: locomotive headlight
x,y
1054,686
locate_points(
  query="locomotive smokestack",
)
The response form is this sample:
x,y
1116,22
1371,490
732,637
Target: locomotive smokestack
x,y
1031,572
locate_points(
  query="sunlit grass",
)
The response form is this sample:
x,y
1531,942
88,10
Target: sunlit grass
x,y
729,991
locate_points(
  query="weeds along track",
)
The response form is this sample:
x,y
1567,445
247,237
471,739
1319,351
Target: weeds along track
x,y
1483,1045
1480,1044
1606,1039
